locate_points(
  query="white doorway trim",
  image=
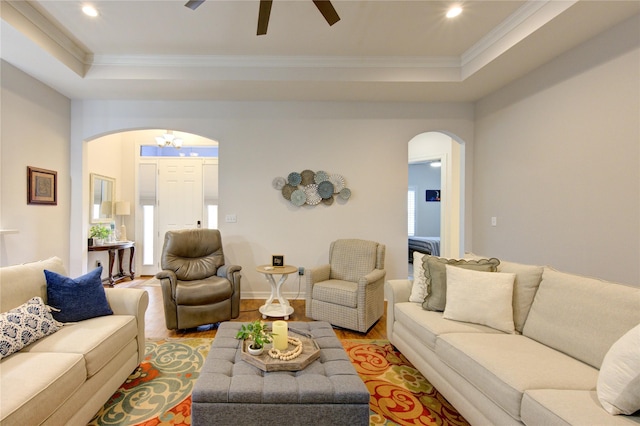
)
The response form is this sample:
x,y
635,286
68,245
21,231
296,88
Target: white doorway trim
x,y
452,195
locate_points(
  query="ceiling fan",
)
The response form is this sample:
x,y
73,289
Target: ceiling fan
x,y
324,6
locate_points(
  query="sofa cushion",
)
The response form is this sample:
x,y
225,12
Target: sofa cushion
x,y
419,286
581,316
337,292
22,282
30,393
554,407
77,299
525,287
97,339
203,292
24,325
619,378
503,366
426,326
480,297
436,277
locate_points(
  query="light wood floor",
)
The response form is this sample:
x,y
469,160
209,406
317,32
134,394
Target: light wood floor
x,y
155,327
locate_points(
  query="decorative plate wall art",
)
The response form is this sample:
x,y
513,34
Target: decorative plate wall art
x,y
312,188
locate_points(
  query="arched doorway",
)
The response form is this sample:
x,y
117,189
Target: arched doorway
x,y
134,160
426,149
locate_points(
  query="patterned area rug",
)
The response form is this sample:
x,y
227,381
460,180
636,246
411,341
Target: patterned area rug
x,y
400,395
158,392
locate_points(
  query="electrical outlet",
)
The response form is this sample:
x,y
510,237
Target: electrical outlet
x,y
98,264
301,270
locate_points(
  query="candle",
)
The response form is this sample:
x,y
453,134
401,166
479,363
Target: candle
x,y
280,341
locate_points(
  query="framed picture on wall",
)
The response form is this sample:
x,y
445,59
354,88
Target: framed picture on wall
x,y
433,195
42,186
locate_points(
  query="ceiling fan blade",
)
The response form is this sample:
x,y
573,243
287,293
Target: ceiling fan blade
x,y
263,16
193,4
326,8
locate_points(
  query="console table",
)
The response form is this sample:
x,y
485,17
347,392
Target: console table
x,y
119,247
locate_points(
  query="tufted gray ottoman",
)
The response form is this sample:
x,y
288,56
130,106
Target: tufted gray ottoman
x,y
230,391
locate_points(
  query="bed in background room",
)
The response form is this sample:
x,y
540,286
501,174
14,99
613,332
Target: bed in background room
x,y
427,245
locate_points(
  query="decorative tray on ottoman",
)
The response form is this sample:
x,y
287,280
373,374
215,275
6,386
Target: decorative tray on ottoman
x,y
310,352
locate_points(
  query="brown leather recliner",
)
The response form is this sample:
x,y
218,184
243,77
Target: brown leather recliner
x,y
197,287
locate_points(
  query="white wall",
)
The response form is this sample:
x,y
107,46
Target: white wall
x,y
557,161
366,143
34,131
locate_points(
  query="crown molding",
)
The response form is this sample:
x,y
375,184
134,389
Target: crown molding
x,y
523,22
526,20
45,27
260,61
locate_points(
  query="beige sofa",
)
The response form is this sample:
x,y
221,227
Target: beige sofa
x,y
546,372
66,377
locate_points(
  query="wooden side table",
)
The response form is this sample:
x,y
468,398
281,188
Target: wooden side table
x,y
270,309
119,247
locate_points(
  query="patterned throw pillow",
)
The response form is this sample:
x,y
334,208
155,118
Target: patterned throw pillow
x,y
24,325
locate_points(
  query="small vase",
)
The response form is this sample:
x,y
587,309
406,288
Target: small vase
x,y
253,351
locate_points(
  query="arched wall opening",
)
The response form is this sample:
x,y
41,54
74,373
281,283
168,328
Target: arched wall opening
x,y
117,155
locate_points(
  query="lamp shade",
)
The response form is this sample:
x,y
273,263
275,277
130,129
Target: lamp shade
x,y
105,208
123,208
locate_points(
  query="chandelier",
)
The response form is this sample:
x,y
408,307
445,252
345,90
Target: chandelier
x,y
168,139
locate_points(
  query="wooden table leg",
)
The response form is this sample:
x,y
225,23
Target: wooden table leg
x,y
112,255
132,271
120,255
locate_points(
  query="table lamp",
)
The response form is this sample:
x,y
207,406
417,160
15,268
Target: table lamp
x,y
123,208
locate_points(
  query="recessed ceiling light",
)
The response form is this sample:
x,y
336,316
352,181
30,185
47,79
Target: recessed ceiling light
x,y
90,11
454,11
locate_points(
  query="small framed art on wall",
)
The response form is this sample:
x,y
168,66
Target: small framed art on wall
x,y
42,186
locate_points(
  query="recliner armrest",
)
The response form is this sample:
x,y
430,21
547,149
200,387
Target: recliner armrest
x,y
227,271
373,276
173,280
318,273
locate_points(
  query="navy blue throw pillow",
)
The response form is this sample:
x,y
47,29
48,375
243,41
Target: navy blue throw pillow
x,y
77,299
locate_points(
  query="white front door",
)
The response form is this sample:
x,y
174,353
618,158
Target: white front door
x,y
180,197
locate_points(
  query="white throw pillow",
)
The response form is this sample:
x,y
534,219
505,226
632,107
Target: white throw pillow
x,y
419,289
618,385
480,297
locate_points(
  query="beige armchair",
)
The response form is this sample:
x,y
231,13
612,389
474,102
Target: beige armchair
x,y
197,287
349,291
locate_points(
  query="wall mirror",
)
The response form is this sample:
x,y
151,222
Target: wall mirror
x,y
103,192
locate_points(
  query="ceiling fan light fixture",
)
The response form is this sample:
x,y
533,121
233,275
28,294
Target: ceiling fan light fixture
x,y
89,10
454,11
